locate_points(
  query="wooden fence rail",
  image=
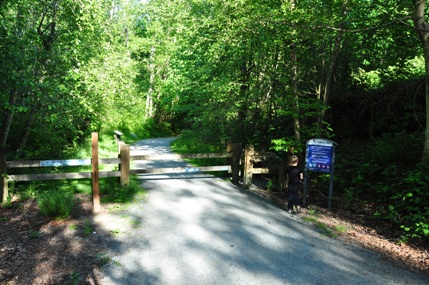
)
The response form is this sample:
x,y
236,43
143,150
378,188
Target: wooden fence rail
x,y
236,164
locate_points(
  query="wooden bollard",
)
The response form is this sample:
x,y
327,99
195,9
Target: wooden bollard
x,y
248,166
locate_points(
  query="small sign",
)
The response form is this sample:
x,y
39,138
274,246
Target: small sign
x,y
191,169
70,162
320,155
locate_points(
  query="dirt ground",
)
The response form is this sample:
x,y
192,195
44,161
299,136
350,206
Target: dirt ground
x,y
38,250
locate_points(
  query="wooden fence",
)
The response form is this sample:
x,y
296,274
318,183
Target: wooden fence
x,y
238,164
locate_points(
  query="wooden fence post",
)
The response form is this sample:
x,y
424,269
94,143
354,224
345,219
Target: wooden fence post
x,y
95,184
282,176
3,171
248,166
125,164
5,188
229,149
120,144
235,166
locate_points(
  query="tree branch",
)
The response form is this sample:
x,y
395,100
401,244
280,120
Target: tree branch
x,y
402,21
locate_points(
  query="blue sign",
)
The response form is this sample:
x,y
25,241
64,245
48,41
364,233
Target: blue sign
x,y
320,155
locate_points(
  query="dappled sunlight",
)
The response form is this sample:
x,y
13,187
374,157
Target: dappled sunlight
x,y
198,229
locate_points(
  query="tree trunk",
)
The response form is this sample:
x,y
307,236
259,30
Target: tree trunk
x,y
5,127
241,134
28,126
329,80
294,83
331,73
149,96
294,87
7,118
422,27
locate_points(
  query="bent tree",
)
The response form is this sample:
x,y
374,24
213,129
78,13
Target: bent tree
x,y
422,28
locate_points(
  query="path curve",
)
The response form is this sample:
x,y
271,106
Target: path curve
x,y
199,229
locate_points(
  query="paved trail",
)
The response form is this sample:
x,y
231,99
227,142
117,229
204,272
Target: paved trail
x,y
198,229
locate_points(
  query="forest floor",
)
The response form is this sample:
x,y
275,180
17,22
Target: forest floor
x,y
38,250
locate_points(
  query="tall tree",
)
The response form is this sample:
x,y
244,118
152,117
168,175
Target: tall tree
x,y
422,27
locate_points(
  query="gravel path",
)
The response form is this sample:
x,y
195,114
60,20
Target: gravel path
x,y
198,229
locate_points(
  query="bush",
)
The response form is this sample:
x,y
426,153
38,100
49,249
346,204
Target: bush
x,y
383,175
388,149
113,192
56,204
411,202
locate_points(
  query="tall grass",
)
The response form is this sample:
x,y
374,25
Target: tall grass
x,y
56,204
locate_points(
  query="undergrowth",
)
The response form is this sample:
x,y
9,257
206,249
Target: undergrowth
x,y
56,197
387,177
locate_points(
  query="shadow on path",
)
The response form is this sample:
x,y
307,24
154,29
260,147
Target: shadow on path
x,y
200,229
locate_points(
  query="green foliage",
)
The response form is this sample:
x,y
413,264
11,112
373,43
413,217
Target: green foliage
x,y
87,228
56,204
380,78
29,192
74,279
380,174
152,129
112,191
410,204
229,72
270,185
192,142
103,259
286,144
388,149
332,232
8,203
34,234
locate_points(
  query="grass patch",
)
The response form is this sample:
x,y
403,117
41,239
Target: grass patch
x,y
56,204
112,191
87,228
340,229
74,279
309,219
33,234
103,259
116,231
326,230
73,227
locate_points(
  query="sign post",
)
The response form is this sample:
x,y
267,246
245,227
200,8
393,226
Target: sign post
x,y
320,157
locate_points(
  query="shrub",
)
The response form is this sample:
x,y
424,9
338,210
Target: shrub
x,y
388,149
56,204
113,192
